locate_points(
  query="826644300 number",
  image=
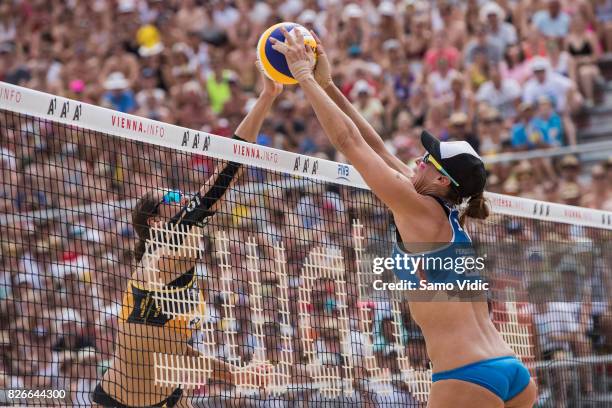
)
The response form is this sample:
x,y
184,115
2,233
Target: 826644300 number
x,y
30,394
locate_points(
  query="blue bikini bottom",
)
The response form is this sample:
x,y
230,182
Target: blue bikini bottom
x,y
505,377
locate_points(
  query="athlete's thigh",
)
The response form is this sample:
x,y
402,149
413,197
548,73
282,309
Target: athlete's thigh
x,y
526,398
461,394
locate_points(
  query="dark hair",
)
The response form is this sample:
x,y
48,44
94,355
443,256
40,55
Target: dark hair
x,y
146,207
477,206
521,55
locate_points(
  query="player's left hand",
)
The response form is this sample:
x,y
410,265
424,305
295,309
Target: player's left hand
x,y
300,58
270,87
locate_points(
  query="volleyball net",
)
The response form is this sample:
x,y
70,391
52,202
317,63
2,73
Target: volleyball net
x,y
285,277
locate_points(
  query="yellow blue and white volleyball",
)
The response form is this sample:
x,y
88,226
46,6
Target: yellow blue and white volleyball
x,y
273,62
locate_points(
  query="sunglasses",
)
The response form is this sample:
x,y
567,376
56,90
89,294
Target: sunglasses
x,y
170,197
429,159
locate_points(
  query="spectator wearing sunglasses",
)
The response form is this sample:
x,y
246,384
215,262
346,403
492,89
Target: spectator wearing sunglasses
x,y
146,325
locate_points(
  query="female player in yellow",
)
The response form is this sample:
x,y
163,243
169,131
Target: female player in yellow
x,y
473,366
144,328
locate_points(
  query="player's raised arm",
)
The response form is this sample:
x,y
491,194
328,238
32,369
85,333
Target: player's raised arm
x,y
173,207
205,202
389,184
322,74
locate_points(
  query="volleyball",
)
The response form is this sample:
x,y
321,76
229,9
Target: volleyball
x,y
273,62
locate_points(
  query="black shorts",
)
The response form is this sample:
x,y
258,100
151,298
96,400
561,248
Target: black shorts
x,y
100,397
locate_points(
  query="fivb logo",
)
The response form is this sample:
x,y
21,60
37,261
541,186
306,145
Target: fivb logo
x,y
343,172
66,111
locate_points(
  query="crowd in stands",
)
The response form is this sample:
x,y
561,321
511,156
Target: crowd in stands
x,y
504,76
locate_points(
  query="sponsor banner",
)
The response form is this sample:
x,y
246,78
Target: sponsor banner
x,y
79,114
524,207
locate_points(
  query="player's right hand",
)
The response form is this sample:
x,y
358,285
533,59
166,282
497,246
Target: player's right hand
x,y
300,58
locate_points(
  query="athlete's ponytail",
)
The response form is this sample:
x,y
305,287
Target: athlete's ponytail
x,y
145,208
477,207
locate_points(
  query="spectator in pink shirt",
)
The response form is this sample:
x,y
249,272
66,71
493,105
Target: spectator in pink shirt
x,y
441,50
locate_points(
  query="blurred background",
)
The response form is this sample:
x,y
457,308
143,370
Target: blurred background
x,y
507,76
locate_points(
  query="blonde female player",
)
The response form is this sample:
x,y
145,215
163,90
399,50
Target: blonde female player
x,y
144,329
473,366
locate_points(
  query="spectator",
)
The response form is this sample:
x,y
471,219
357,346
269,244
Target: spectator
x,y
289,124
599,196
502,93
8,28
452,23
569,184
461,98
119,97
555,324
483,44
490,131
388,27
384,336
417,42
527,181
529,132
552,122
368,104
583,46
514,66
552,22
121,62
439,81
405,141
493,17
548,83
217,86
560,60
458,130
441,51
354,35
603,13
478,71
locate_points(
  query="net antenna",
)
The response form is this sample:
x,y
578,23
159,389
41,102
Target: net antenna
x,y
417,380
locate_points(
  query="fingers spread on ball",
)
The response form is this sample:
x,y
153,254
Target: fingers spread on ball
x,y
288,37
299,38
279,46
